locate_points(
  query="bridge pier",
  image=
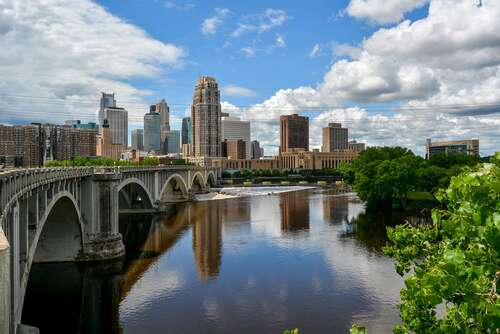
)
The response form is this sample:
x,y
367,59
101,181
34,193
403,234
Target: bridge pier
x,y
104,240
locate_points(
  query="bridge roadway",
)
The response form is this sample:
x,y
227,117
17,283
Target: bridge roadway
x,y
71,214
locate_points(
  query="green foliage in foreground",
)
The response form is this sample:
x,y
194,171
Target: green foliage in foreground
x,y
384,176
100,161
454,263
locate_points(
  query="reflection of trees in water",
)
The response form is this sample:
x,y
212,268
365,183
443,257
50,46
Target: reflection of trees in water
x,y
370,227
294,208
207,239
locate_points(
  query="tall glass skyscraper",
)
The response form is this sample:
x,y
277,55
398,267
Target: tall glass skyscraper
x,y
187,131
152,130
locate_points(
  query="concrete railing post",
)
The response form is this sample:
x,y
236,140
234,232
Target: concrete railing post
x,y
5,307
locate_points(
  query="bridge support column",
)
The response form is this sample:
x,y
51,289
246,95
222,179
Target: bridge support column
x,y
104,239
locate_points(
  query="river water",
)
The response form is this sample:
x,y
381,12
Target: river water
x,y
262,264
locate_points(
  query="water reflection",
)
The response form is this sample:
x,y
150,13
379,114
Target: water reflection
x,y
294,212
207,239
235,266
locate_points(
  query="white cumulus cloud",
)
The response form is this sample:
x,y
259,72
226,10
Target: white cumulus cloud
x,y
382,11
67,54
444,71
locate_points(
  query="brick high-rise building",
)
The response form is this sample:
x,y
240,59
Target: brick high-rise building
x,y
335,138
232,128
234,149
105,146
294,132
206,118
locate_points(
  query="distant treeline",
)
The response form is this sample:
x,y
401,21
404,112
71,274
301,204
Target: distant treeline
x,y
102,161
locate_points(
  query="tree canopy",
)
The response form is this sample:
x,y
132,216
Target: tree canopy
x,y
384,176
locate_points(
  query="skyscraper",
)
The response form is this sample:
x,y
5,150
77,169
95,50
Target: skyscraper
x,y
152,130
118,124
164,111
105,145
138,139
107,101
255,150
206,119
173,141
334,138
294,132
187,132
232,128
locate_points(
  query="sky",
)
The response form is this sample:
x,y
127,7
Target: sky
x,y
395,72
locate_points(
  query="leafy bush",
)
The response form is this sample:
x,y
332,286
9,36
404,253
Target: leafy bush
x,y
454,262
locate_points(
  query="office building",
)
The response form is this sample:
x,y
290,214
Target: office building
x,y
187,132
255,150
468,146
232,128
138,139
118,124
206,119
294,132
355,146
105,146
173,141
163,110
334,138
234,149
107,101
152,130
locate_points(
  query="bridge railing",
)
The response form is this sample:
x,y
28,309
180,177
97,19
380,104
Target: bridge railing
x,y
18,181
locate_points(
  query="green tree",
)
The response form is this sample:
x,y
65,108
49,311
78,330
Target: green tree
x,y
453,263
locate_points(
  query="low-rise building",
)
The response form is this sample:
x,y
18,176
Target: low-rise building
x,y
355,146
468,146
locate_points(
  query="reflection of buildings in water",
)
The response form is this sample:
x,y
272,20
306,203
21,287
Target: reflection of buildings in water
x,y
342,209
236,216
294,212
236,211
207,239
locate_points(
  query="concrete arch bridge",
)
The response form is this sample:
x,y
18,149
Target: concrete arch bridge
x,y
71,214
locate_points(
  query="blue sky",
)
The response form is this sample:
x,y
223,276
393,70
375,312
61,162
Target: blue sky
x,y
395,72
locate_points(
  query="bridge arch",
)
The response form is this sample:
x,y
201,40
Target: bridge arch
x,y
59,234
174,190
132,189
198,183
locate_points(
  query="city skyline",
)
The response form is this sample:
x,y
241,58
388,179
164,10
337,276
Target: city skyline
x,y
342,74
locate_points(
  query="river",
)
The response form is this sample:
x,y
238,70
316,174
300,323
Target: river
x,y
261,264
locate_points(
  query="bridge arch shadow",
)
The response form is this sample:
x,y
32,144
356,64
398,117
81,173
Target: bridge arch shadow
x,y
57,238
133,194
174,190
210,179
198,184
